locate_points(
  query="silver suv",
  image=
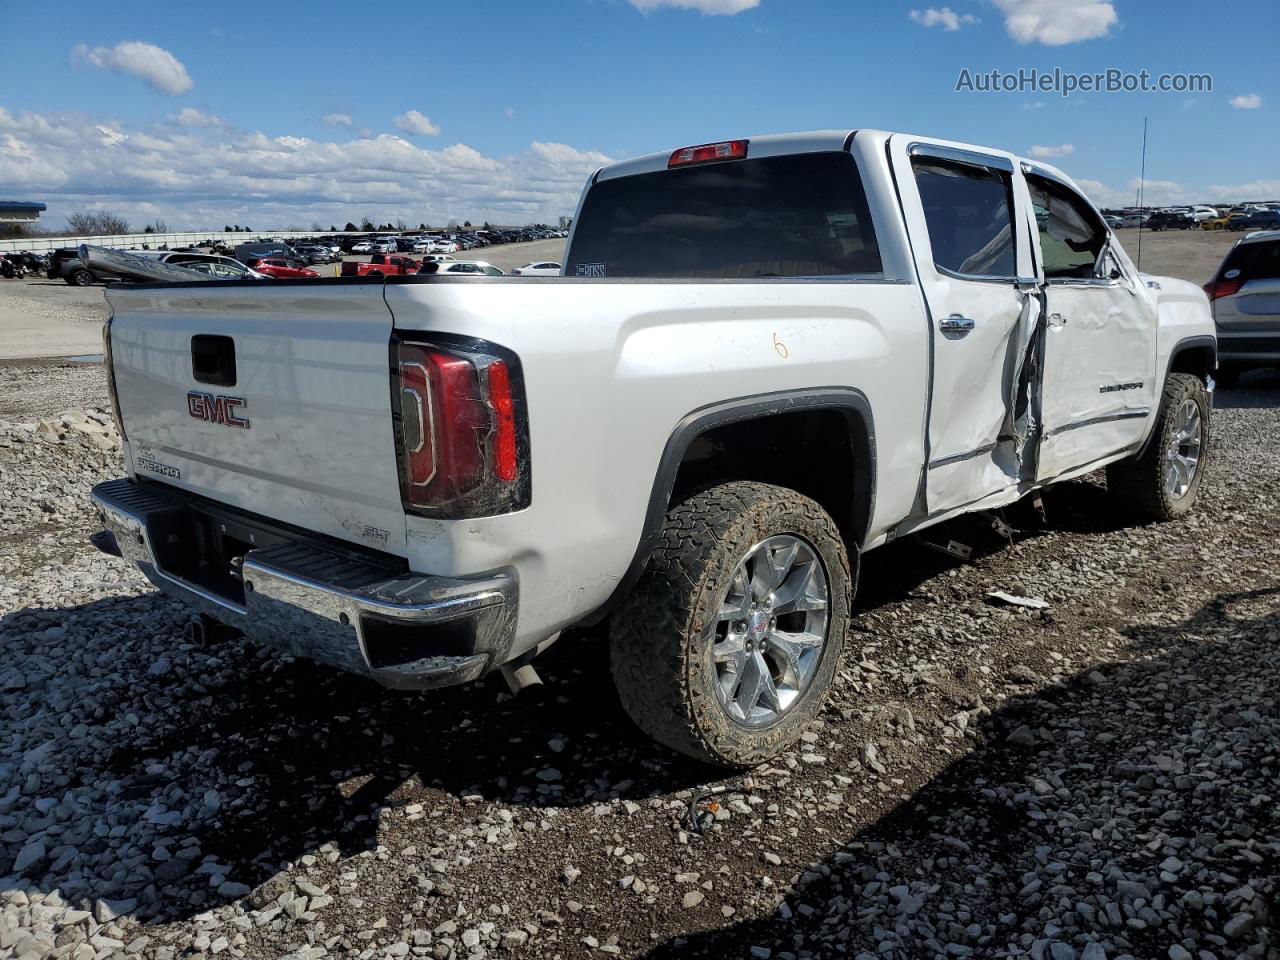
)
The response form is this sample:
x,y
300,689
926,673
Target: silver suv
x,y
1245,295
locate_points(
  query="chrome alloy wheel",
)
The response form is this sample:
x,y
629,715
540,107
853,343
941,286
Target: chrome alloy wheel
x,y
768,635
1182,456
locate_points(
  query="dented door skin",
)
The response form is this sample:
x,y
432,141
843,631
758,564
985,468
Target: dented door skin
x,y
962,213
1099,347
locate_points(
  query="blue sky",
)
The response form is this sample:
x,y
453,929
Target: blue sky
x,y
498,109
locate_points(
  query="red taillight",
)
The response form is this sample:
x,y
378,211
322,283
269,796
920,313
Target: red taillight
x,y
458,432
1223,288
505,467
708,152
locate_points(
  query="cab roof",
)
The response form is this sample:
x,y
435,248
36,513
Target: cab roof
x,y
812,141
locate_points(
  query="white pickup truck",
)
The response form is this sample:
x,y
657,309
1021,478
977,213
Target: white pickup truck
x,y
765,357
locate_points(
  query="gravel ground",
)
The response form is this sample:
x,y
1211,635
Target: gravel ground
x,y
1098,779
30,389
49,318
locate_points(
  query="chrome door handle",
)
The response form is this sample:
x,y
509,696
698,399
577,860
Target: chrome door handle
x,y
956,324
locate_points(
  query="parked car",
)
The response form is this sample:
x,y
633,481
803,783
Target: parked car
x,y
1245,296
1258,220
540,268
1112,222
1227,222
381,265
283,268
1133,219
437,258
384,245
712,457
223,268
248,253
1171,220
65,264
472,268
1202,213
314,253
362,246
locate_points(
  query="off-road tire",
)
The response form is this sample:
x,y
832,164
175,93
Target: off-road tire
x,y
663,671
1138,484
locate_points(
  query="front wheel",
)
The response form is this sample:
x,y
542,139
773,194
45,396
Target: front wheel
x,y
727,647
1164,481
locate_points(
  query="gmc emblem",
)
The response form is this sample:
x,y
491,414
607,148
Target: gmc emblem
x,y
216,408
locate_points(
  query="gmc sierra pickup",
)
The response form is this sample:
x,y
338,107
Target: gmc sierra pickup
x,y
765,357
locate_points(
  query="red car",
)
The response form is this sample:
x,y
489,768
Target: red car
x,y
381,265
283,269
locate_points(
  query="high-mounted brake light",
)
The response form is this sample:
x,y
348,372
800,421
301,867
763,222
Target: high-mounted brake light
x,y
460,441
708,153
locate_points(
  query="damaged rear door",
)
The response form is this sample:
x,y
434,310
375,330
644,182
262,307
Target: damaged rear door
x,y
1099,352
971,247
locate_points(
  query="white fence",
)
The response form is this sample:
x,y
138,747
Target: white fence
x,y
135,241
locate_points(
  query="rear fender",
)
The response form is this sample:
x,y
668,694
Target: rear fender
x,y
851,403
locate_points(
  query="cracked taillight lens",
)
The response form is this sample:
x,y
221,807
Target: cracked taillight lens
x,y
460,431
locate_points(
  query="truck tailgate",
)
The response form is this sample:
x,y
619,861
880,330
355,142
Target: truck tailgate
x,y
302,432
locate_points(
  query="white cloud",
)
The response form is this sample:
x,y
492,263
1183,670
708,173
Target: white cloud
x,y
710,7
1159,193
1056,22
1249,101
945,17
416,124
1062,150
156,66
1255,190
205,177
338,119
191,117
1155,193
510,113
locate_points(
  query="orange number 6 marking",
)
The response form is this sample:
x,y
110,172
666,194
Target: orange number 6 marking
x,y
780,347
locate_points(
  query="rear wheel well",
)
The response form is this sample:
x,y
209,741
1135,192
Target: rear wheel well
x,y
824,454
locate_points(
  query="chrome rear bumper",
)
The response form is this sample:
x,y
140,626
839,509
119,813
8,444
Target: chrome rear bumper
x,y
309,599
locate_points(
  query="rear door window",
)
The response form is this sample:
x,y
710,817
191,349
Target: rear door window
x,y
969,212
798,215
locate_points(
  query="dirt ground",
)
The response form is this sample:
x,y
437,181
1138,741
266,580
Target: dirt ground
x,y
1189,254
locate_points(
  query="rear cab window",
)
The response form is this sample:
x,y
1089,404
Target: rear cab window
x,y
796,215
